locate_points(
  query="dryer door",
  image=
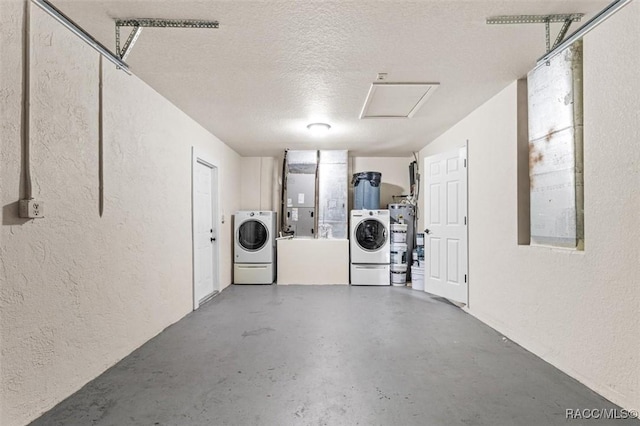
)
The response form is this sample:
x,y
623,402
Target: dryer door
x,y
371,235
252,235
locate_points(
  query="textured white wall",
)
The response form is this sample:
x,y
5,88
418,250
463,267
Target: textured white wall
x,y
250,183
580,311
79,291
257,183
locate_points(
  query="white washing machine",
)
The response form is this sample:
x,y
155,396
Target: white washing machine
x,y
254,248
370,247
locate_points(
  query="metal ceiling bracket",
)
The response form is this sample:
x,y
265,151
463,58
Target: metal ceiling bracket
x,y
592,23
547,20
128,45
561,35
63,19
140,23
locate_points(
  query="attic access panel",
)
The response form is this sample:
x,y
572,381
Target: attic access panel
x,y
396,100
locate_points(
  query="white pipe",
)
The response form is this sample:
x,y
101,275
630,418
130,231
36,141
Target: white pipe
x,y
100,138
85,36
26,102
583,30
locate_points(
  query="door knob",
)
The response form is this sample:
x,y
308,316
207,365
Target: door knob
x,y
212,239
426,231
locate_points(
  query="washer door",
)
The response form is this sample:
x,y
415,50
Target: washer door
x,y
371,235
252,235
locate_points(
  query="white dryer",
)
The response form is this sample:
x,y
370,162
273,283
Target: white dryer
x,y
254,247
370,247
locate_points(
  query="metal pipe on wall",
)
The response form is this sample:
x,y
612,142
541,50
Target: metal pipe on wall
x,y
26,103
100,138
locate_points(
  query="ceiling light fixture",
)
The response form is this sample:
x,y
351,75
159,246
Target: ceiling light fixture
x,y
319,129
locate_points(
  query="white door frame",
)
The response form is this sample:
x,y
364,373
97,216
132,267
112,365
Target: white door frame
x,y
464,151
198,156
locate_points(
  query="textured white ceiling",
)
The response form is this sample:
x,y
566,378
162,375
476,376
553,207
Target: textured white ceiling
x,y
275,66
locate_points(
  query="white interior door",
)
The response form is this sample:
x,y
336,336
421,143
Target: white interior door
x,y
446,225
205,233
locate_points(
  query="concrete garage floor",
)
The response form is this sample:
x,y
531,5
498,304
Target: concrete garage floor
x,y
328,355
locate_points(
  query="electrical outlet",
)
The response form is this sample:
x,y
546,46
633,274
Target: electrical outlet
x,y
31,209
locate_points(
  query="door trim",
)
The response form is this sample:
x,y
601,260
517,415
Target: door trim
x,y
197,156
465,146
466,165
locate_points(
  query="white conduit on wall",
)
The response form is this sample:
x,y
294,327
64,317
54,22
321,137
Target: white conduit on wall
x,y
26,102
100,140
26,98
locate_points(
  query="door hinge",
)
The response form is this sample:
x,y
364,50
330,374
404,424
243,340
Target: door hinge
x,y
465,162
465,220
465,278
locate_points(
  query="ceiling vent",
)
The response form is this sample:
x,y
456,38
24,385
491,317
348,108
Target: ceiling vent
x,y
396,100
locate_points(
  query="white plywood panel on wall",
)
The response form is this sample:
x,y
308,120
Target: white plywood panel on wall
x,y
267,165
551,96
257,183
555,150
250,183
310,261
